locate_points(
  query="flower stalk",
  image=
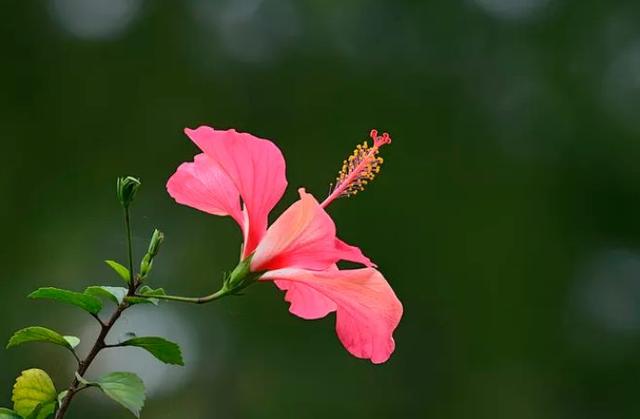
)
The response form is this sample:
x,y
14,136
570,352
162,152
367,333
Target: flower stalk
x,y
240,278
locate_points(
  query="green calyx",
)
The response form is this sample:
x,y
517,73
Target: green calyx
x,y
241,277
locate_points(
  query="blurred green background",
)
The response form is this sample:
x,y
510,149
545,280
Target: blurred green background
x,y
506,217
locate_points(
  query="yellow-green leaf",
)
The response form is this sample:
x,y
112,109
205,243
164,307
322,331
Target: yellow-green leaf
x,y
33,389
43,410
8,414
42,334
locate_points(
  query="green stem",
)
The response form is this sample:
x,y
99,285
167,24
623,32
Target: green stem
x,y
127,224
193,300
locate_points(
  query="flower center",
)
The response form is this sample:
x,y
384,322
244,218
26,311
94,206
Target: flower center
x,y
360,168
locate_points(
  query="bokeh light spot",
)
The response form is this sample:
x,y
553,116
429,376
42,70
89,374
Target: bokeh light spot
x,y
512,9
95,19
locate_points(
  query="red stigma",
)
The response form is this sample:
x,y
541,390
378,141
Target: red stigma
x,y
379,140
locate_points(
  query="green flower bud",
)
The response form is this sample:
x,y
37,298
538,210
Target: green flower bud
x,y
156,240
154,246
127,187
145,266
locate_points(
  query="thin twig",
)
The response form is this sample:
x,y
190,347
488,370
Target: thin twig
x,y
95,316
83,365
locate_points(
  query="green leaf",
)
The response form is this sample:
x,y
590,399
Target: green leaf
x,y
8,414
148,294
86,302
125,388
115,294
42,334
72,340
120,269
33,390
140,300
165,350
43,410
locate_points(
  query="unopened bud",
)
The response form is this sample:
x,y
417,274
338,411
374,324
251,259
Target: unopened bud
x,y
127,187
154,246
156,240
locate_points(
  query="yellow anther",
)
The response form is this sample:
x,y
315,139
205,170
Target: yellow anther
x,y
359,169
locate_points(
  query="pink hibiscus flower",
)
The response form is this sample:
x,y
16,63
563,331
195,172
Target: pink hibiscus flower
x,y
243,176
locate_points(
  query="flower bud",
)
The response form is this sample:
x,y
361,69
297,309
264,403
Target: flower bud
x,y
127,187
156,240
154,246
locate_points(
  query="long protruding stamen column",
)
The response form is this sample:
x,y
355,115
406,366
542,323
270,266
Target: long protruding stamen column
x,y
360,168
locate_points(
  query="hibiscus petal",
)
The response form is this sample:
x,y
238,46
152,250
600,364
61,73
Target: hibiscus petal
x,y
304,236
353,253
367,309
204,186
305,301
255,166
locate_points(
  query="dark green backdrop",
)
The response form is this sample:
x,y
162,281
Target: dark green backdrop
x,y
506,217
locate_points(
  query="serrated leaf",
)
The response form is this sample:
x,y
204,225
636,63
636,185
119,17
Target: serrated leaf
x,y
86,302
115,294
32,390
42,334
125,388
122,271
163,349
8,414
